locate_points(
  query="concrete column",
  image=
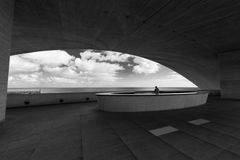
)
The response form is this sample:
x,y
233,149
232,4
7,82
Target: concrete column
x,y
230,74
6,18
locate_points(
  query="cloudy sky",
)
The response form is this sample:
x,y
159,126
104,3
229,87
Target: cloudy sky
x,y
89,68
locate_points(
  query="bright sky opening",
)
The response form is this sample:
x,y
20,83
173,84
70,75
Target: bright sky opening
x,y
89,68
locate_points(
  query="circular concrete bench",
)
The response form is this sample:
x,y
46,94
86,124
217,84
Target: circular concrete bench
x,y
148,101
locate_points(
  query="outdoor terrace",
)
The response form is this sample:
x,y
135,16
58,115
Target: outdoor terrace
x,y
81,131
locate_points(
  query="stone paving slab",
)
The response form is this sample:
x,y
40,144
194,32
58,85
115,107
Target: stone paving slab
x,y
163,130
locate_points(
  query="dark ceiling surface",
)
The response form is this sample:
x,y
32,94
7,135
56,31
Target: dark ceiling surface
x,y
185,35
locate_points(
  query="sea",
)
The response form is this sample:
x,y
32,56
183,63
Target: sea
x,y
95,90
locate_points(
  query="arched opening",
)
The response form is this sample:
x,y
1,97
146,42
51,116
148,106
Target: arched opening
x,y
89,69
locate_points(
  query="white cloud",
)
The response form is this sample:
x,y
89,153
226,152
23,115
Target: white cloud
x,y
98,71
60,72
28,77
18,64
50,58
64,80
23,77
91,69
105,56
10,78
145,66
58,68
93,66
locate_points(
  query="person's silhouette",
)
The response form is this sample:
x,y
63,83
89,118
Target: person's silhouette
x,y
156,90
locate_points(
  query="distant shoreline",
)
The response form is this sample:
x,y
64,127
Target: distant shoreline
x,y
88,89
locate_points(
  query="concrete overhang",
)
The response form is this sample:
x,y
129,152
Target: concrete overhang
x,y
186,36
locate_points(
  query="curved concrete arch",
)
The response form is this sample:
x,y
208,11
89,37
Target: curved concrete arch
x,y
200,69
199,39
141,28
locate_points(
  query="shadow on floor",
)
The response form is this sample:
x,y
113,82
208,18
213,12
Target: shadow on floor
x,y
81,131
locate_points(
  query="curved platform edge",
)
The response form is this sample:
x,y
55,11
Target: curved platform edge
x,y
118,102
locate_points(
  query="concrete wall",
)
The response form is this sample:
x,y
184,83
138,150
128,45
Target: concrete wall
x,y
6,17
230,74
24,100
145,102
187,39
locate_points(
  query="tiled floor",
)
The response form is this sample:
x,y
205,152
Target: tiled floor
x,y
80,131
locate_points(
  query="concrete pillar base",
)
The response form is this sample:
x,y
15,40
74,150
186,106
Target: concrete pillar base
x,y
6,18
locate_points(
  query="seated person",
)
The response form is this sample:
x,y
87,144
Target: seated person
x,y
156,90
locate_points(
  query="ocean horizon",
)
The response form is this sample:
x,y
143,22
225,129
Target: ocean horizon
x,y
91,89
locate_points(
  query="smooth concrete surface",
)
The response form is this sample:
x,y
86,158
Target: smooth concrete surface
x,y
82,132
6,19
142,102
24,100
230,74
186,36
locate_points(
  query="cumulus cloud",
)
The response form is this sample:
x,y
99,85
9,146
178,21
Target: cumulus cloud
x,y
105,56
93,66
59,68
145,66
18,64
50,58
88,69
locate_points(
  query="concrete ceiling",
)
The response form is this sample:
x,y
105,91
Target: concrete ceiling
x,y
185,35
